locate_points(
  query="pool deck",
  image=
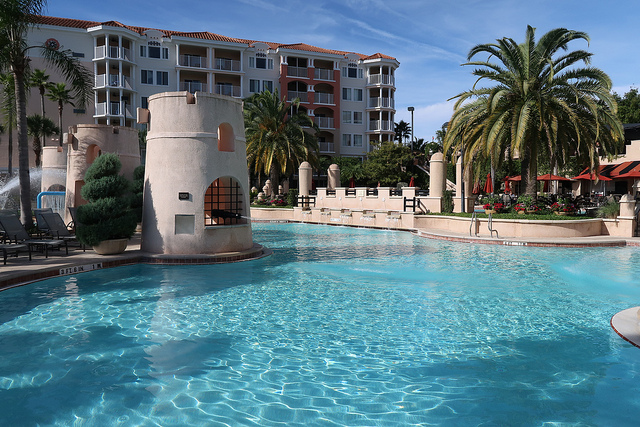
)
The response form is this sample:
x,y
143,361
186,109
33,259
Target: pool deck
x,y
627,324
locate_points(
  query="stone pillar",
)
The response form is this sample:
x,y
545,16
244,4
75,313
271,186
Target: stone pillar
x,y
627,217
54,168
437,176
304,178
463,178
333,175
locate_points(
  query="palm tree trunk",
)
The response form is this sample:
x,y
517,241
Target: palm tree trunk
x,y
10,145
37,150
60,123
274,173
530,171
23,148
42,100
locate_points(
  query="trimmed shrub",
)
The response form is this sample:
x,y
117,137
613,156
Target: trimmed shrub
x,y
292,197
108,215
447,201
137,189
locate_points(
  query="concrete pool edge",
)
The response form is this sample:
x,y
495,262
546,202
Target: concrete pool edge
x,y
626,324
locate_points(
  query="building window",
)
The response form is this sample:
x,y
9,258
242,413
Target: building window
x,y
157,52
346,93
346,140
346,117
223,203
143,51
254,86
267,85
357,94
357,140
261,62
357,117
77,55
144,102
162,78
352,72
146,77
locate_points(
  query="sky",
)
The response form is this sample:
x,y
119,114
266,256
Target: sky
x,y
430,38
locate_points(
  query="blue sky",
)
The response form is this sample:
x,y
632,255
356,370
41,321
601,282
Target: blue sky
x,y
430,38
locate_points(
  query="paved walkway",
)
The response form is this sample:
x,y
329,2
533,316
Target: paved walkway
x,y
20,270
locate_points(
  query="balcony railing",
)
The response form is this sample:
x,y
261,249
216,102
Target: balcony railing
x,y
381,79
302,96
113,80
323,74
227,64
326,147
111,109
324,122
193,61
376,125
323,98
382,103
228,90
297,71
112,52
193,87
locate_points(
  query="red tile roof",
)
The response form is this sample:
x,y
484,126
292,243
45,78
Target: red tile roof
x,y
205,35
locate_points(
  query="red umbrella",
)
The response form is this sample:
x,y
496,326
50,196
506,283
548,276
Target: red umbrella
x,y
412,182
477,188
591,177
352,183
507,189
552,177
488,186
515,178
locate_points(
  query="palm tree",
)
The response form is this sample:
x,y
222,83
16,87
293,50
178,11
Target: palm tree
x,y
16,18
8,107
403,131
40,79
541,104
40,128
60,94
277,142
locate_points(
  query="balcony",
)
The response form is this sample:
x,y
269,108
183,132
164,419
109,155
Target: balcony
x,y
323,98
382,103
113,52
381,79
227,65
113,80
193,61
324,122
297,72
228,90
380,125
302,96
326,147
323,74
193,87
111,109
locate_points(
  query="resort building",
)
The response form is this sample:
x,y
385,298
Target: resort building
x,y
350,96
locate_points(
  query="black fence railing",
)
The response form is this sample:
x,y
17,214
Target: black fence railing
x,y
372,191
307,201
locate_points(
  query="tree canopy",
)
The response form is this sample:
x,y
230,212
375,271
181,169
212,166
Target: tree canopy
x,y
628,106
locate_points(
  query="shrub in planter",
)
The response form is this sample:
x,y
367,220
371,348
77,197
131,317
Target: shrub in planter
x,y
108,215
137,189
610,210
447,201
292,197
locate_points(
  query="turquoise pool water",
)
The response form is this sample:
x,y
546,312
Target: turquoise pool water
x,y
340,326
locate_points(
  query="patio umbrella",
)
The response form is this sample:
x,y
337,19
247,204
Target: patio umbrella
x,y
488,185
591,177
552,177
515,178
352,183
477,188
412,182
507,188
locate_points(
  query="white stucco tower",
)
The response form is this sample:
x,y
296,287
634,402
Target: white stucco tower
x,y
196,192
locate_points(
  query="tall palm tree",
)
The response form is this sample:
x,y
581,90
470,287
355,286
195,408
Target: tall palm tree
x,y
8,108
402,130
60,94
277,142
16,18
40,128
40,79
542,103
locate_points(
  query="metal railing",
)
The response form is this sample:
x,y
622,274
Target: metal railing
x,y
307,201
379,125
323,74
302,96
349,191
228,90
226,64
324,122
323,98
381,79
193,87
112,52
193,61
382,103
395,191
327,147
297,71
372,192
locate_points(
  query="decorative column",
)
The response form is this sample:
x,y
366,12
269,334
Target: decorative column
x,y
333,175
304,182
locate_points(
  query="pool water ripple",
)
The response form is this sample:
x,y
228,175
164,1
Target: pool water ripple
x,y
340,326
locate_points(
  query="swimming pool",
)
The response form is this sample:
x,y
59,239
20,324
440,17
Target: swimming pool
x,y
340,326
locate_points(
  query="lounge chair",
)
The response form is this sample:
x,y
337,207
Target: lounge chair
x,y
57,229
40,223
14,231
14,249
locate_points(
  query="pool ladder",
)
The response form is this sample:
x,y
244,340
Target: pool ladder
x,y
474,224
